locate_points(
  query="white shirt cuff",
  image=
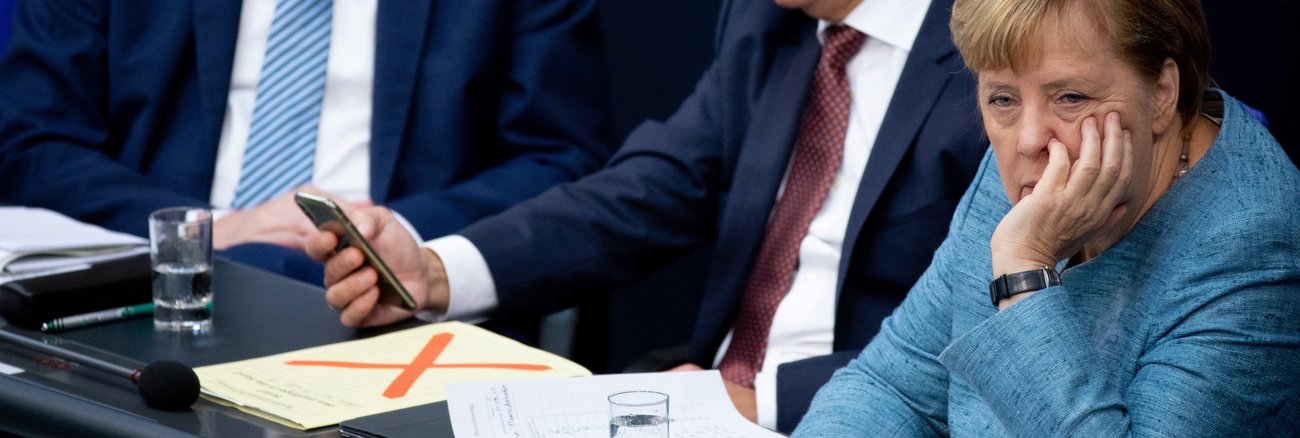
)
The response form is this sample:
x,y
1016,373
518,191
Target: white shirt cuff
x,y
472,291
765,398
218,213
407,225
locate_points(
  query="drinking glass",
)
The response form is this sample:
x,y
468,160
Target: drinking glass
x,y
180,249
638,414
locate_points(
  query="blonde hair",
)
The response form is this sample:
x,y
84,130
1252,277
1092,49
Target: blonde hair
x,y
997,34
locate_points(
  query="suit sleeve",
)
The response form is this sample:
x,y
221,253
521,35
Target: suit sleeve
x,y
552,118
656,197
797,382
54,130
1221,363
897,386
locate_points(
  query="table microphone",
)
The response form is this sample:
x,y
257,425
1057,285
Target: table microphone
x,y
165,384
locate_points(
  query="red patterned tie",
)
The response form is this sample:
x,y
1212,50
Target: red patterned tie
x,y
817,156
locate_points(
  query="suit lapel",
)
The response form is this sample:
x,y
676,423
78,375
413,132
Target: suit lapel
x,y
216,28
768,145
399,42
922,82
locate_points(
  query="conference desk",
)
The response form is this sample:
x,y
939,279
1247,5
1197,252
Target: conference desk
x,y
255,313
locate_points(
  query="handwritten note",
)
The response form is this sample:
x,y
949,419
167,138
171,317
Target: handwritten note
x,y
579,407
326,385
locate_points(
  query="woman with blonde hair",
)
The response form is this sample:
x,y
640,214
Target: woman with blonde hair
x,y
1127,261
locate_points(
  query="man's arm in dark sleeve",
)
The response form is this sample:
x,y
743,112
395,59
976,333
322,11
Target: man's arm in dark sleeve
x,y
657,196
54,126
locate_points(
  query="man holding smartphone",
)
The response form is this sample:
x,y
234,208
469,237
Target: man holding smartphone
x,y
825,150
328,216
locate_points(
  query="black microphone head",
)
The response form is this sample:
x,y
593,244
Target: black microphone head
x,y
168,385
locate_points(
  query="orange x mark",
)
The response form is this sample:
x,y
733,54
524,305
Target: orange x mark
x,y
422,362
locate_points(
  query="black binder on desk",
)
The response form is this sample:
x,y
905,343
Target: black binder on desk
x,y
431,420
104,285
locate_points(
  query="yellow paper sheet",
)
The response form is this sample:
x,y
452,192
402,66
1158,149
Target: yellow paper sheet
x,y
326,385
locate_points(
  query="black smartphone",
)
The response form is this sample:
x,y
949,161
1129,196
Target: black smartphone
x,y
329,217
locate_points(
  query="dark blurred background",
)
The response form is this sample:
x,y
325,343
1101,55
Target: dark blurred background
x,y
1256,57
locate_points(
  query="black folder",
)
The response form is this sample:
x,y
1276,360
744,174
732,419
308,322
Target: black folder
x,y
114,283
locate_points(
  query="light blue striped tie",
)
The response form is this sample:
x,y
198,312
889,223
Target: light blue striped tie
x,y
286,112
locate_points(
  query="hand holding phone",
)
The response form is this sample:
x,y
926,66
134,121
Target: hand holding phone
x,y
329,217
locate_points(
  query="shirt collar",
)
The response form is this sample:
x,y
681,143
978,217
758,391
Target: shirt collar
x,y
895,22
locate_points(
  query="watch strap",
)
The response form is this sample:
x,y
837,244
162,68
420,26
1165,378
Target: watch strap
x,y
1009,285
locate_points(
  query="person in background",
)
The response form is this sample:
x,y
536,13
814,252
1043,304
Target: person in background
x,y
1141,238
824,149
445,112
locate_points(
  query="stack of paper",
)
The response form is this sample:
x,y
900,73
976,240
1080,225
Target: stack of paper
x,y
35,241
326,385
698,406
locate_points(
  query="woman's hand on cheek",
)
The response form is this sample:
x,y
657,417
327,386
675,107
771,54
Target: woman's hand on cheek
x,y
1071,204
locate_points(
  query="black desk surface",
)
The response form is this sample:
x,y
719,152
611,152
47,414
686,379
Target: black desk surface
x,y
255,313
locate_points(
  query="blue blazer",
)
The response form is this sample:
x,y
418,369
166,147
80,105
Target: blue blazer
x,y
1187,327
712,170
6,10
114,109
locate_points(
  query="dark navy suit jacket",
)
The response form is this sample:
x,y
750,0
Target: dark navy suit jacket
x,y
712,170
112,109
6,8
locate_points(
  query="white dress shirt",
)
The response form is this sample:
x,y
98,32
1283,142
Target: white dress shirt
x,y
804,324
342,163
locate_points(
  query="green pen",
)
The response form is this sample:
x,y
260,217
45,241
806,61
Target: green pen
x,y
85,319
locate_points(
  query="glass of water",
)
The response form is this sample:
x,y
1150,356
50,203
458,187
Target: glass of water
x,y
180,247
638,414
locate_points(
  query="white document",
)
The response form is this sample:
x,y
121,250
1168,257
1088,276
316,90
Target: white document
x,y
698,406
53,264
9,370
45,240
38,229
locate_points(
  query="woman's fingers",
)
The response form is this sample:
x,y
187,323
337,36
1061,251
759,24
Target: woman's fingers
x,y
1094,187
1083,173
1126,168
1125,172
1058,168
1112,160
